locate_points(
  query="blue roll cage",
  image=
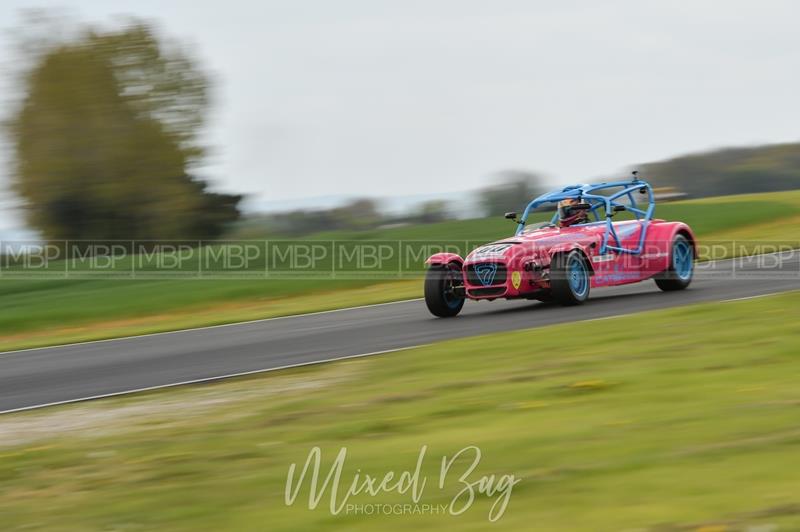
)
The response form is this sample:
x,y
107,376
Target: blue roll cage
x,y
589,194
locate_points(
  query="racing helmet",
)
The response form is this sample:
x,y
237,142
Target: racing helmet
x,y
572,211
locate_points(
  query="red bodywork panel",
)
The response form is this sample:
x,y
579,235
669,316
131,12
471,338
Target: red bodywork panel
x,y
518,267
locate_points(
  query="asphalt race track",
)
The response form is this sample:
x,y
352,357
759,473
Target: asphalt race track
x,y
39,377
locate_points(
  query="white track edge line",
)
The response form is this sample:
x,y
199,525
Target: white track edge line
x,y
261,320
318,362
206,327
759,296
208,379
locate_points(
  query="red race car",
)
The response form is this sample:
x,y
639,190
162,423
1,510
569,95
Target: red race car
x,y
581,247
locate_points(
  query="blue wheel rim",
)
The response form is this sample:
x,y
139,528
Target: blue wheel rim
x,y
450,299
682,259
578,277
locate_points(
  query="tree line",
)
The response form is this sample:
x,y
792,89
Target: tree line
x,y
729,171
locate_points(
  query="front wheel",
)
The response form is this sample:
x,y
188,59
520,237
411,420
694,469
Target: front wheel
x,y
681,266
570,278
442,284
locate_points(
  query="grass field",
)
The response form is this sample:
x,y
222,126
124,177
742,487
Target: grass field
x,y
683,419
43,312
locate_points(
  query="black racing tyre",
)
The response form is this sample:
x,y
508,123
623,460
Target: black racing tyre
x,y
546,297
570,278
681,266
440,285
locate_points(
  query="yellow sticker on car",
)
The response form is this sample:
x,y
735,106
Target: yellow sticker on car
x,y
516,279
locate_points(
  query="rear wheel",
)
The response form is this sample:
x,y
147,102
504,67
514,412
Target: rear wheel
x,y
442,286
681,266
570,278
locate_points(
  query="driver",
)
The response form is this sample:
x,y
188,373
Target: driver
x,y
572,211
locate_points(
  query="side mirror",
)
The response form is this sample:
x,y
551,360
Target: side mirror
x,y
619,208
511,216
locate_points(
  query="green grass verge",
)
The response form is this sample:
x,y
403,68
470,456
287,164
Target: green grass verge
x,y
682,419
43,312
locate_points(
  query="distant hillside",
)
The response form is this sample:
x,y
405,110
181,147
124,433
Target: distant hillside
x,y
729,171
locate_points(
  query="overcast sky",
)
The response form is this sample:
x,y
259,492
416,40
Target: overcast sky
x,y
398,97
